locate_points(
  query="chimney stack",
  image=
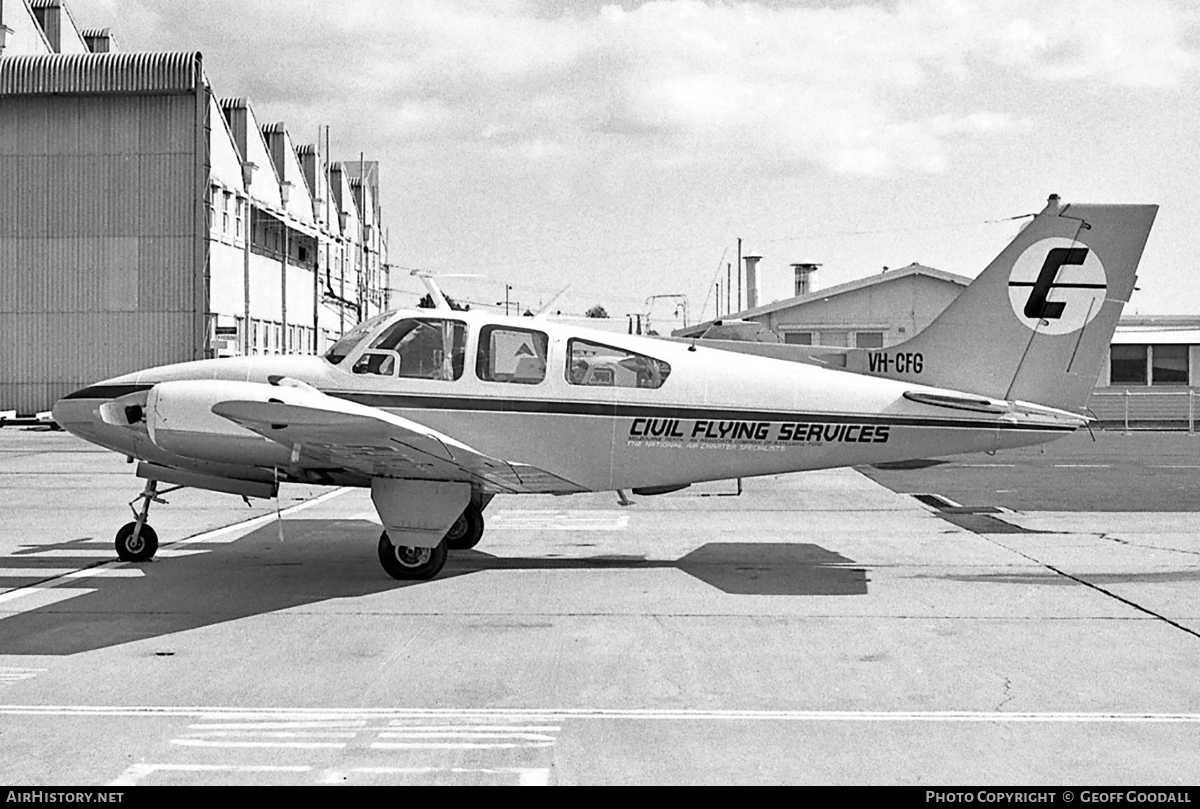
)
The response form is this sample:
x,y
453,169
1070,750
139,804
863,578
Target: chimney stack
x,y
806,278
752,280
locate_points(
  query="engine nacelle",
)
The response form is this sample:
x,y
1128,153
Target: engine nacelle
x,y
180,420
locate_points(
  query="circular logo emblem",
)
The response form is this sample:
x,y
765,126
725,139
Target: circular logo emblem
x,y
1057,286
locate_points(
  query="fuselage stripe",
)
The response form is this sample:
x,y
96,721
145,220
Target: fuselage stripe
x,y
615,410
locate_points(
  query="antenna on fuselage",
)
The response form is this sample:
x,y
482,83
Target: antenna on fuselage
x,y
435,294
545,310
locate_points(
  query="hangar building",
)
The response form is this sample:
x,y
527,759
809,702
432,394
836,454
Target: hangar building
x,y
1150,378
145,220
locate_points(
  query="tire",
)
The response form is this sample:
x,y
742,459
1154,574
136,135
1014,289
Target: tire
x,y
467,529
410,564
140,548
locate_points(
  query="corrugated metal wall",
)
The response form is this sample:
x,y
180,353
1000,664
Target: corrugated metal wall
x,y
97,239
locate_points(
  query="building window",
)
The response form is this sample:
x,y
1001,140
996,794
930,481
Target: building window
x,y
868,339
227,197
240,208
1169,366
798,338
1128,365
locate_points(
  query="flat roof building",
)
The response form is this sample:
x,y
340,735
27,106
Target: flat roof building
x,y
1149,378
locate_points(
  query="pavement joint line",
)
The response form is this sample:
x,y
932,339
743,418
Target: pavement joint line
x,y
1099,589
631,714
93,569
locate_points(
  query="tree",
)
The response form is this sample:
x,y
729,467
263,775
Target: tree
x,y
597,311
427,303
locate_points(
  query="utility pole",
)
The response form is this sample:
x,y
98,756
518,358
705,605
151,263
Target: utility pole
x,y
739,306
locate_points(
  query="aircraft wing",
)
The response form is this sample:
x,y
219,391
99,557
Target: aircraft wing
x,y
324,431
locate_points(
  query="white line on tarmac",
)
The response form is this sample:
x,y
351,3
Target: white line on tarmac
x,y
457,745
300,745
137,772
1081,466
219,534
456,734
564,714
52,572
167,551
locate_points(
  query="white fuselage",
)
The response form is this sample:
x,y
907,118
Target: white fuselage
x,y
717,415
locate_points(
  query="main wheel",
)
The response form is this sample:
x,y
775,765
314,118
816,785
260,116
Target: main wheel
x,y
407,563
139,547
467,529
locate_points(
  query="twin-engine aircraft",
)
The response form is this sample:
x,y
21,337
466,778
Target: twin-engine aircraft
x,y
437,411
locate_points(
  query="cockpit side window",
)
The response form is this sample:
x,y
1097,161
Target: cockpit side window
x,y
605,366
423,348
347,342
513,355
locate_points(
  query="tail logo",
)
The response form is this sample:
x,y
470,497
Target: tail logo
x,y
1057,286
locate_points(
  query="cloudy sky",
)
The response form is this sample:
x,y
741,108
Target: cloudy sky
x,y
624,147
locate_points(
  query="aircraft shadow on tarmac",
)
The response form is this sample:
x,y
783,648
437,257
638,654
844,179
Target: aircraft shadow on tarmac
x,y
323,560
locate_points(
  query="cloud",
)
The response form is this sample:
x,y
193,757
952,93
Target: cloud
x,y
861,89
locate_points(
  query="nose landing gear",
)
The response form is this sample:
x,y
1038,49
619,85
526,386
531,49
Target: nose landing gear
x,y
137,541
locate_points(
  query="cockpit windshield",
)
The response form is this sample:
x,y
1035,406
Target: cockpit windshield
x,y
347,342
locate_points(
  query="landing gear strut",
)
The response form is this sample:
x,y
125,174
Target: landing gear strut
x,y
137,541
408,563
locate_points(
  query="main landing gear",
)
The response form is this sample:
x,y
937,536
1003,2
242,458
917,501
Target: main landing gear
x,y
137,541
408,563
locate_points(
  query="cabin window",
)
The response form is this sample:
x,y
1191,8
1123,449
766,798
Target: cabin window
x,y
798,338
511,355
605,366
424,348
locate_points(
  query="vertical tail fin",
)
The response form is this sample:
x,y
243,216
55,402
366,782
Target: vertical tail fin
x,y
1035,325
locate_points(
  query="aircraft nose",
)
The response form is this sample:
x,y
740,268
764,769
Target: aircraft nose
x,y
75,411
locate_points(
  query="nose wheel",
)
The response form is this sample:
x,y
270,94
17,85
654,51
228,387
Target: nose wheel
x,y
137,541
136,544
407,563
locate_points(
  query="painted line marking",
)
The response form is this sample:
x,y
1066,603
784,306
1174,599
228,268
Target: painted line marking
x,y
564,714
137,772
531,520
482,728
420,734
54,572
300,745
279,734
221,535
985,465
457,745
1081,466
12,675
167,551
88,553
334,724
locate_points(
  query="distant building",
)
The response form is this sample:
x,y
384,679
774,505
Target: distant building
x,y
1150,376
144,221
